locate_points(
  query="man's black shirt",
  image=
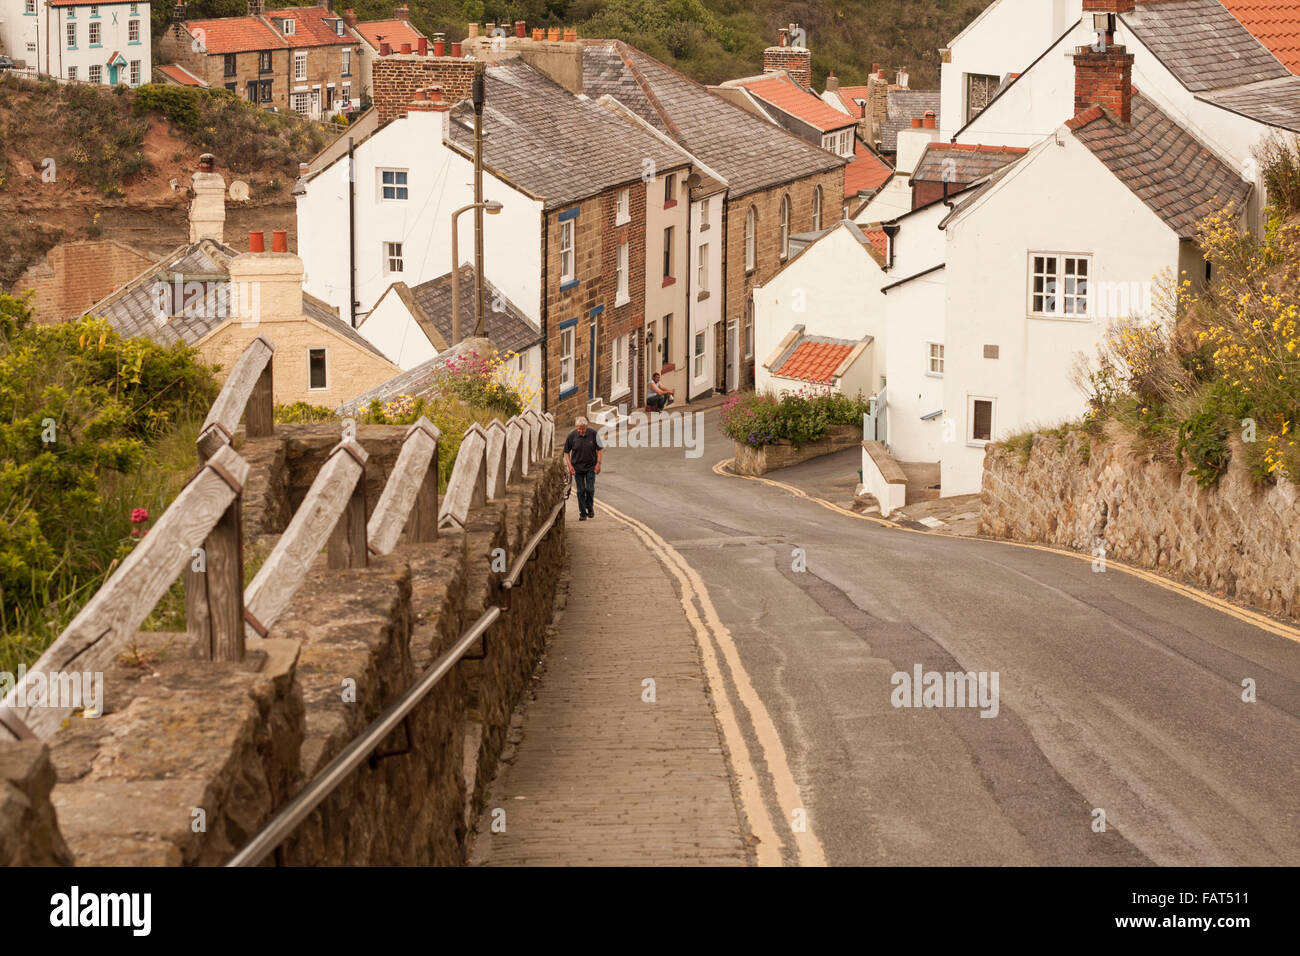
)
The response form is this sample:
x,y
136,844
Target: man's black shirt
x,y
581,449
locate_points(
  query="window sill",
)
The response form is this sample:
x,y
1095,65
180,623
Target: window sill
x,y
934,374
669,280
704,227
977,443
566,392
567,284
622,300
670,204
132,42
623,392
670,367
622,220
1058,318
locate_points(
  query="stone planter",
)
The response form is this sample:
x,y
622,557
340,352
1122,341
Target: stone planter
x,y
758,461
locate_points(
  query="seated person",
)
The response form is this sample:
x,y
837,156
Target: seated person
x,y
660,396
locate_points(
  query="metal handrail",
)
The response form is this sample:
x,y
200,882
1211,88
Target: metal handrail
x,y
321,786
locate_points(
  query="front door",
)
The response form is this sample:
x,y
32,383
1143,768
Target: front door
x,y
112,76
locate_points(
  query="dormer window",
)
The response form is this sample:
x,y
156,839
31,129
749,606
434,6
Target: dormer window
x,y
338,28
288,27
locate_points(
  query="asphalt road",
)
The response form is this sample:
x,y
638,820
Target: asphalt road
x,y
1115,695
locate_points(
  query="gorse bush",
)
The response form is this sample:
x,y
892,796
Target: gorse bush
x,y
80,407
1216,361
801,417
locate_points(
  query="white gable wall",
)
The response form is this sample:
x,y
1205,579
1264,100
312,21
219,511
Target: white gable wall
x,y
439,182
1006,38
391,328
832,288
1059,199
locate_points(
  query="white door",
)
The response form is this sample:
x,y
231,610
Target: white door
x,y
733,354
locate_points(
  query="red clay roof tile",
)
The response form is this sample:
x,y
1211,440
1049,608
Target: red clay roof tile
x,y
813,362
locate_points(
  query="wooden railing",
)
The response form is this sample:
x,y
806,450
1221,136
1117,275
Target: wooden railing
x,y
200,534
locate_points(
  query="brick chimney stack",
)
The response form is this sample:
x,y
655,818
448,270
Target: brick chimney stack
x,y
832,82
402,13
256,8
208,207
790,55
350,17
1103,71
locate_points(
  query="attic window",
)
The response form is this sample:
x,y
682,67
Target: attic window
x,y
338,27
288,27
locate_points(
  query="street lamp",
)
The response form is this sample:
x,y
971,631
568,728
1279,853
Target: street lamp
x,y
491,207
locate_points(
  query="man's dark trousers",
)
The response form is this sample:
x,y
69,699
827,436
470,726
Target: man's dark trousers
x,y
586,482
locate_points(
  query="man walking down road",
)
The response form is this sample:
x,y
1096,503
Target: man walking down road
x,y
583,451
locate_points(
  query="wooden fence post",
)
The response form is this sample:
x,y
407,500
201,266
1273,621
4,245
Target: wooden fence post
x,y
259,414
347,543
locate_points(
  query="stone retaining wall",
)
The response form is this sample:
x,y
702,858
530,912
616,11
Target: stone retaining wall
x,y
757,461
1235,537
191,757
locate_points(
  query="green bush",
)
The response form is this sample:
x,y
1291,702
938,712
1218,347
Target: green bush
x,y
798,418
80,407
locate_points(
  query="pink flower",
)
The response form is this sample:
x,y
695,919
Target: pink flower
x,y
138,515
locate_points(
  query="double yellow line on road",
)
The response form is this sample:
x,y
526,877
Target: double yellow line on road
x,y
1261,621
708,627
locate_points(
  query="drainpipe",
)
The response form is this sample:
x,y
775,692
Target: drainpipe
x,y
546,342
723,303
352,234
890,229
689,362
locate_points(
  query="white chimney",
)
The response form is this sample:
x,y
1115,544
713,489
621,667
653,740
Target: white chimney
x,y
902,77
912,143
208,208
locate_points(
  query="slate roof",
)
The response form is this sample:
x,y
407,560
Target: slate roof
x,y
1202,44
900,107
1166,167
1275,102
781,92
132,310
747,151
814,358
236,35
965,162
1275,23
509,330
389,31
551,144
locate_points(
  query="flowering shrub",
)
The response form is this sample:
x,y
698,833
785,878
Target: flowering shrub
x,y
797,418
485,381
1221,360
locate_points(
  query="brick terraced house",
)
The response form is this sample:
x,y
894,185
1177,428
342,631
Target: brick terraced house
x,y
298,58
568,247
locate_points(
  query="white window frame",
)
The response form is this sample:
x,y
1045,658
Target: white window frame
x,y
289,26
299,65
622,265
670,265
566,250
933,358
29,6
747,332
95,35
704,215
701,352
751,239
971,440
302,97
702,267
620,379
133,31
785,227
394,253
96,73
402,187
623,215
568,358
346,53
1060,295
318,388
72,72
70,33
817,208
135,72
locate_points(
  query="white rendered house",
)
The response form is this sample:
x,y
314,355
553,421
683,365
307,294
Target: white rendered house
x,y
106,43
